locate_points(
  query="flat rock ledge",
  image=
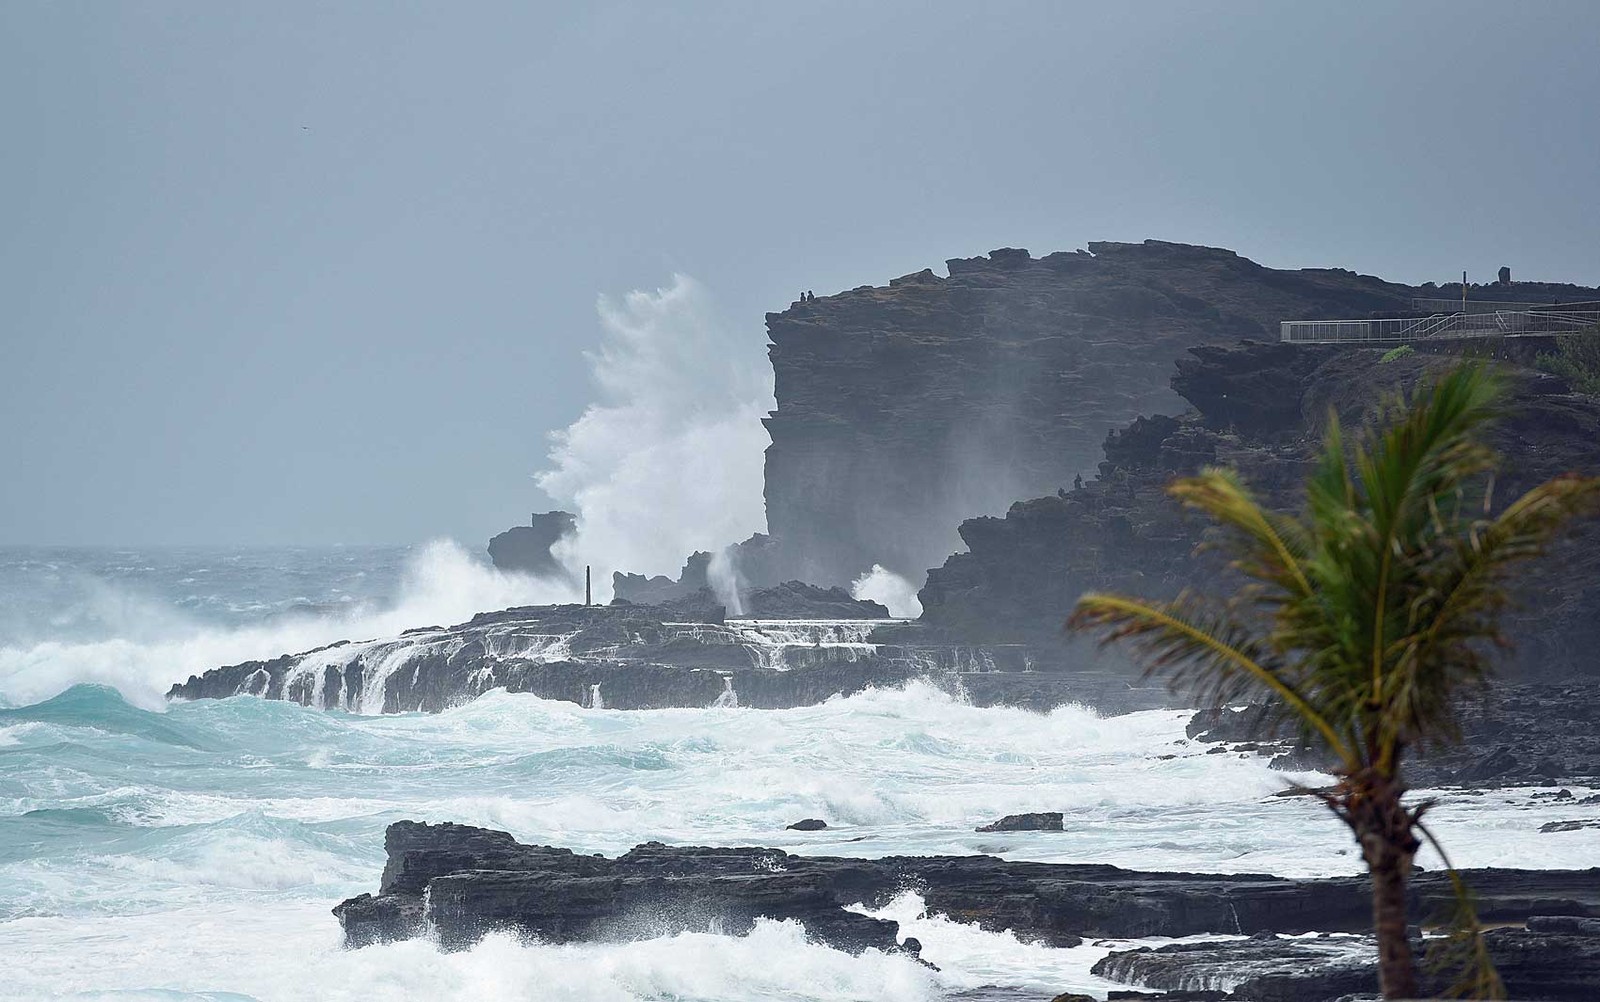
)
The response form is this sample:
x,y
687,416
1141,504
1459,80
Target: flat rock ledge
x,y
1552,958
459,883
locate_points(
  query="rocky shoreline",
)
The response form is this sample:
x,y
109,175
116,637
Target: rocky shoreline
x,y
457,883
1512,735
631,657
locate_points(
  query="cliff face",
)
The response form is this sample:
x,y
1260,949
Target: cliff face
x,y
905,409
1260,408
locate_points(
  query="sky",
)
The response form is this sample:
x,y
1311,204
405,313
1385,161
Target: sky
x,y
319,273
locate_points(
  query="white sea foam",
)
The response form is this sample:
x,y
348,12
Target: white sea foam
x,y
442,584
200,850
200,951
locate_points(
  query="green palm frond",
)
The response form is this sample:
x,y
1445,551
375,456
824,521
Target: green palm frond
x,y
1269,546
1459,600
1365,616
1181,638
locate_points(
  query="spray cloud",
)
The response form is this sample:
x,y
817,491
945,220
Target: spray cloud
x,y
896,593
668,459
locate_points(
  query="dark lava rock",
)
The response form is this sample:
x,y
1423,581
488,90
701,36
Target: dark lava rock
x,y
809,825
526,548
637,589
1547,721
1262,968
902,410
798,600
462,882
682,654
1495,763
789,600
1261,408
1569,826
1553,959
618,657
1044,821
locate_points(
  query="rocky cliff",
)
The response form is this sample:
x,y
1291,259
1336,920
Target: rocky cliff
x,y
1260,408
902,410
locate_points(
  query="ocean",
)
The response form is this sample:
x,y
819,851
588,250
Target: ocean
x,y
193,850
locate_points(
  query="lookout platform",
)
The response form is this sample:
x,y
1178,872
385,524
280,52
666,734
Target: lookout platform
x,y
1472,319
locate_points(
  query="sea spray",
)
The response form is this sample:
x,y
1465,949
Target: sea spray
x,y
668,459
438,584
896,594
723,574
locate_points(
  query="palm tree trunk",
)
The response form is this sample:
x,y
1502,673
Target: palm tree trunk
x,y
1391,865
1383,828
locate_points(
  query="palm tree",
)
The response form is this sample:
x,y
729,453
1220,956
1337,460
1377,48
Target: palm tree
x,y
1364,617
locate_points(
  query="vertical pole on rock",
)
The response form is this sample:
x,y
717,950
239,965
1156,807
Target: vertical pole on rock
x,y
588,593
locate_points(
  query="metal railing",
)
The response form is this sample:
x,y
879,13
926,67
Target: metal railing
x,y
1447,305
1499,323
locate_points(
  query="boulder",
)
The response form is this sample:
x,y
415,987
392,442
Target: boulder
x,y
526,549
1044,821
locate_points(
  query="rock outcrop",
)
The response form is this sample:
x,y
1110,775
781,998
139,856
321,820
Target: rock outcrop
x,y
526,548
461,882
1261,408
618,657
659,589
1042,821
685,654
903,410
788,600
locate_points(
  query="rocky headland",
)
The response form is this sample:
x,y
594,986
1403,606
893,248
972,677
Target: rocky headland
x,y
905,409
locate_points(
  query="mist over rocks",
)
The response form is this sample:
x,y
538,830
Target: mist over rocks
x,y
1261,408
904,409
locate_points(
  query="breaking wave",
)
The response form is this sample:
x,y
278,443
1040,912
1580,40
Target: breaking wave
x,y
197,852
141,645
896,594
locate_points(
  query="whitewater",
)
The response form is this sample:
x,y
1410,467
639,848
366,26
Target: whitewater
x,y
193,851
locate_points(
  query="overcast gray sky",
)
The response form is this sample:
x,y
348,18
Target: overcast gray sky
x,y
286,272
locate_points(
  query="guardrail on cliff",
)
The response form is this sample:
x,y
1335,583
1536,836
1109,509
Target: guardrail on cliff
x,y
1442,326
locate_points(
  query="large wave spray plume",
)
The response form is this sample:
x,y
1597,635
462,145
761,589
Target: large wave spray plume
x,y
668,459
